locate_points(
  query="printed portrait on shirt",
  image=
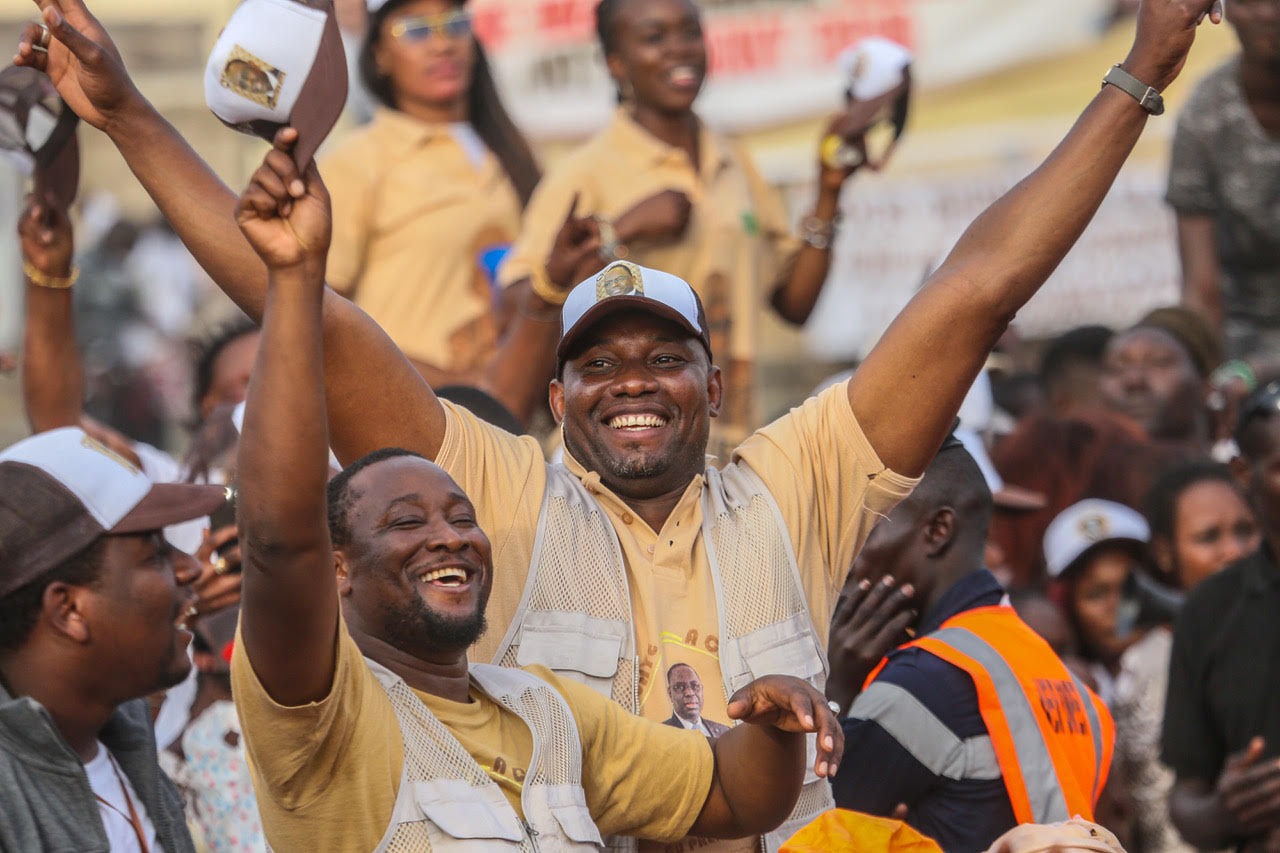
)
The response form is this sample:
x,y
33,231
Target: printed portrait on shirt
x,y
685,691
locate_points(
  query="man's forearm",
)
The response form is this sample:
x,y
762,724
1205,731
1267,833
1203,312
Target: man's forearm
x,y
1011,249
759,772
52,375
289,612
194,200
376,397
518,374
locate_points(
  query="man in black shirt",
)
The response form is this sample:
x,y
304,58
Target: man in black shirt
x,y
1222,717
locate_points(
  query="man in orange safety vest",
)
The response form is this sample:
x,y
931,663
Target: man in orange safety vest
x,y
976,725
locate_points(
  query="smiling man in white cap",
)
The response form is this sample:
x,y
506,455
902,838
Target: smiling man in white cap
x,y
635,554
91,598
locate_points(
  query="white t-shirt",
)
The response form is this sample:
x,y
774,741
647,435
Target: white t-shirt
x,y
105,782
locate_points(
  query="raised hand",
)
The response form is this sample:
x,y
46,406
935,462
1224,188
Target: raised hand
x,y
44,231
792,705
284,215
869,622
81,60
1166,29
661,216
576,251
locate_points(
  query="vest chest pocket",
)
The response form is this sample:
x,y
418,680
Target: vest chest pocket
x,y
463,813
579,646
568,804
783,648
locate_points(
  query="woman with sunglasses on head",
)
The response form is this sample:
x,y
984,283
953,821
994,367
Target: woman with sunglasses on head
x,y
669,193
429,194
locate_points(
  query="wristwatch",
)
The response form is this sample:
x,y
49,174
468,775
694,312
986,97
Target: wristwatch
x,y
1146,96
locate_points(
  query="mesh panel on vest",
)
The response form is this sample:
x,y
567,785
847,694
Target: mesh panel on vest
x,y
815,798
559,736
431,752
575,539
566,547
759,587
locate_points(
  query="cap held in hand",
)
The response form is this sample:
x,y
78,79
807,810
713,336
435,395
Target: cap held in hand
x,y
38,131
279,63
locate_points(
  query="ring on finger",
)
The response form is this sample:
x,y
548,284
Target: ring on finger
x,y
45,38
220,566
835,707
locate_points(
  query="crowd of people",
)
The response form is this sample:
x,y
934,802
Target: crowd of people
x,y
480,541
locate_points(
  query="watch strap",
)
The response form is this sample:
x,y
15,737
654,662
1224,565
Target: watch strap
x,y
1146,96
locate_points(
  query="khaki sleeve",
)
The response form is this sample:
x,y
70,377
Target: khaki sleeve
x,y
641,778
351,182
348,740
541,222
505,477
828,481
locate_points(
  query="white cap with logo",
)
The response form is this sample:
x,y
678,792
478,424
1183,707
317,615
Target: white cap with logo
x,y
624,286
1090,522
278,63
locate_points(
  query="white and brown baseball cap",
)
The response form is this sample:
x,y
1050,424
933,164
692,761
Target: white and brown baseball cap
x,y
61,490
279,63
624,286
38,132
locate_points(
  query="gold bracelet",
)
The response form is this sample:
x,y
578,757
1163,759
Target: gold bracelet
x,y
544,289
41,279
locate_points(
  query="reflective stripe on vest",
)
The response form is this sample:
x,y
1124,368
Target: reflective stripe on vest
x,y
1036,712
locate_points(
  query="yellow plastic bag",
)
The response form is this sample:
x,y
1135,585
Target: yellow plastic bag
x,y
843,830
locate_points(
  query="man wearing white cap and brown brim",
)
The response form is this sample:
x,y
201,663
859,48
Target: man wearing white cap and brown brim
x,y
92,600
635,554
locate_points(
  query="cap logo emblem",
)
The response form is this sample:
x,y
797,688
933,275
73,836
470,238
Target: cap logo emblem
x,y
250,77
622,278
98,447
1094,528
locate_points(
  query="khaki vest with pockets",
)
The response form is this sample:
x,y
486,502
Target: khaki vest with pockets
x,y
446,801
575,613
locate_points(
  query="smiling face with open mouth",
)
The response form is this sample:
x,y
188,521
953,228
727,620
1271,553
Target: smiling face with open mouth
x,y
636,398
659,50
418,567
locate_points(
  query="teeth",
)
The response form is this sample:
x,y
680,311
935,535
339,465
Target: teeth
x,y
683,74
637,421
450,574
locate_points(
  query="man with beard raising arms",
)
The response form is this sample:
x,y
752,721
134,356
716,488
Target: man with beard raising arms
x,y
365,726
635,554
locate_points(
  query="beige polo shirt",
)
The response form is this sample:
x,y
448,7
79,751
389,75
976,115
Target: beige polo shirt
x,y
738,241
412,216
815,460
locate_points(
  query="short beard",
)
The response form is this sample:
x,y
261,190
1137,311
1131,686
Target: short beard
x,y
637,468
414,625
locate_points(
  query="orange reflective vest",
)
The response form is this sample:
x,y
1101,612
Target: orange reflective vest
x,y
1052,736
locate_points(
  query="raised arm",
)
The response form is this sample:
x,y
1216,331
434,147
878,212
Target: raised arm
x,y
398,409
52,376
760,765
289,612
908,390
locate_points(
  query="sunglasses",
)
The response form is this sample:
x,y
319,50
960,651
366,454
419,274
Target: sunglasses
x,y
419,28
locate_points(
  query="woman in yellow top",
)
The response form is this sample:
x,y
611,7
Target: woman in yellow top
x,y
430,193
673,195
